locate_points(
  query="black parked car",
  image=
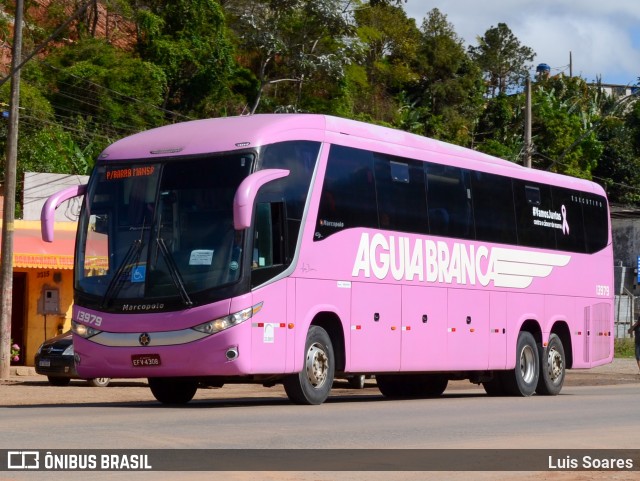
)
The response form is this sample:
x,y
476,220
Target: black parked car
x,y
54,359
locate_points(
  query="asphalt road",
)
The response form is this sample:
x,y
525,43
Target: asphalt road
x,y
595,412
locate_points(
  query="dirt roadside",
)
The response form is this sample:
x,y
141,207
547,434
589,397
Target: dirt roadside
x,y
25,387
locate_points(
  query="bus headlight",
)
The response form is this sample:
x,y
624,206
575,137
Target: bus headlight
x,y
217,325
83,331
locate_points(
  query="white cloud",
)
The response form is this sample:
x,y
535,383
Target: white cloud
x,y
600,34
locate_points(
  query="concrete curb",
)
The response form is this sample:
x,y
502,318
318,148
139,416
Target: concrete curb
x,y
18,371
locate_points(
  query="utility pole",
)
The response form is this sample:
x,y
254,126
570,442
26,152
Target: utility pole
x,y
6,253
570,64
527,125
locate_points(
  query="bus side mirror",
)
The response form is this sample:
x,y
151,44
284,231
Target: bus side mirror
x,y
246,195
47,216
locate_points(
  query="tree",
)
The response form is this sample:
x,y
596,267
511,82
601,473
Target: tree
x,y
502,58
566,116
188,40
500,129
619,165
291,42
93,80
389,44
448,95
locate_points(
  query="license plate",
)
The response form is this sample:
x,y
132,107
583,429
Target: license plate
x,y
44,363
145,360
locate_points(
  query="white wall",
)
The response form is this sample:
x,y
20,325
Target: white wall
x,y
38,187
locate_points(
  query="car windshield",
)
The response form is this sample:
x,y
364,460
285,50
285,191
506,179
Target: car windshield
x,y
160,230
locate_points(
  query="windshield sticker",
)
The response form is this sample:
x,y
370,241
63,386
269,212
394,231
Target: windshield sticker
x,y
201,257
138,273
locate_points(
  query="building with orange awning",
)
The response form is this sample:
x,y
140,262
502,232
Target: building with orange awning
x,y
42,285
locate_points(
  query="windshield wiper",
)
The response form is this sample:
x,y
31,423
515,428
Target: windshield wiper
x,y
174,271
119,279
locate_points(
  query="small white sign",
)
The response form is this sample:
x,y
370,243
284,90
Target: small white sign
x,y
269,333
201,257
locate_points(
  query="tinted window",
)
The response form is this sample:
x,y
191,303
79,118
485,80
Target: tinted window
x,y
401,194
299,158
537,219
596,221
570,231
449,201
348,193
493,208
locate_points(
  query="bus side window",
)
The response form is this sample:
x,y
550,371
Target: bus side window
x,y
449,201
400,192
493,209
348,197
534,215
570,235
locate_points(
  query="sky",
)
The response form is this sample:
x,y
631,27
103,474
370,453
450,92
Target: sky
x,y
603,36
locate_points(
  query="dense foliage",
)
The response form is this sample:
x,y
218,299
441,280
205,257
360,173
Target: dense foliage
x,y
129,65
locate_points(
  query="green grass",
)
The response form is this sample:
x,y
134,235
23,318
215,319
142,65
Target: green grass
x,y
624,348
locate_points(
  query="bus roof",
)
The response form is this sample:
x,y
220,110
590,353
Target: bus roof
x,y
234,133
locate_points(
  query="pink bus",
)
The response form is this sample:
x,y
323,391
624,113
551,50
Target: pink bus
x,y
297,248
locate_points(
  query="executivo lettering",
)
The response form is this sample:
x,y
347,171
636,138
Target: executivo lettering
x,y
432,261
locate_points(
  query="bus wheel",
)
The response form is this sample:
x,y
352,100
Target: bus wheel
x,y
552,367
523,380
173,390
434,385
312,385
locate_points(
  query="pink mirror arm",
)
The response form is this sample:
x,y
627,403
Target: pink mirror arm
x,y
246,195
47,216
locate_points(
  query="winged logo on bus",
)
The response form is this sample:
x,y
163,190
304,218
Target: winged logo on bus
x,y
517,269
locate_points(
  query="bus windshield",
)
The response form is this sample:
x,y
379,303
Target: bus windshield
x,y
160,230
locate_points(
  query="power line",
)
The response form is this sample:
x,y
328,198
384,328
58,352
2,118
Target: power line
x,y
124,96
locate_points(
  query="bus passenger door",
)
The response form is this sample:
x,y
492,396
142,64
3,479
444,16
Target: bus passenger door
x,y
375,327
424,328
468,329
269,259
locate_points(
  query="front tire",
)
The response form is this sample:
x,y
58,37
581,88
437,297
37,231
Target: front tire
x,y
523,380
173,390
313,384
552,367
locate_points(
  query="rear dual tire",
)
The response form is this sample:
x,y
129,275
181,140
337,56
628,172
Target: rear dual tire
x,y
553,367
538,369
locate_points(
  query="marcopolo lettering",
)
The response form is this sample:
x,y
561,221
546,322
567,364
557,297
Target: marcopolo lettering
x,y
142,307
431,261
